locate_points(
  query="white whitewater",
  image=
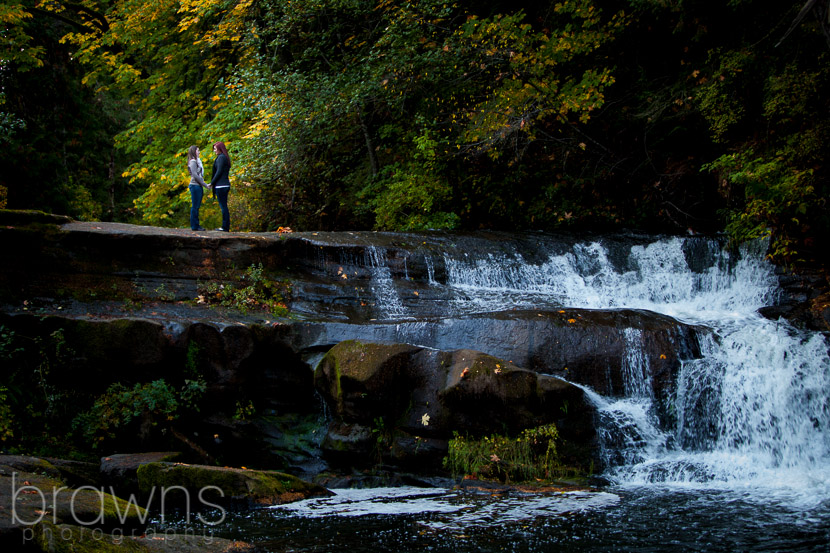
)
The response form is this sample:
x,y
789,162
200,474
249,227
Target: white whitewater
x,y
753,413
383,286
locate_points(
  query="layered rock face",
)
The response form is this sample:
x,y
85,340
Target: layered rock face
x,y
403,337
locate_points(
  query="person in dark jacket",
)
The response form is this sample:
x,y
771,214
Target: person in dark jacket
x,y
197,185
220,183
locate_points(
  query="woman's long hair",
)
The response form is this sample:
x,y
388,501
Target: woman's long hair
x,y
191,153
223,150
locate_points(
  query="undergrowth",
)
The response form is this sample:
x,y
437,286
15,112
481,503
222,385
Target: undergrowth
x,y
253,290
532,456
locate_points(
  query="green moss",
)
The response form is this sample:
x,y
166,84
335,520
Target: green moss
x,y
360,361
116,511
294,432
253,485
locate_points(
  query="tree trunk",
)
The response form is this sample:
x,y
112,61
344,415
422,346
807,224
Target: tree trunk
x,y
373,158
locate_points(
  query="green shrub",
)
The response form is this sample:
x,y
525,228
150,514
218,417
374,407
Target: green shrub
x,y
253,291
780,203
148,405
531,456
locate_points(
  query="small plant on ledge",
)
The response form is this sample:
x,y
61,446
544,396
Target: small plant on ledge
x,y
253,291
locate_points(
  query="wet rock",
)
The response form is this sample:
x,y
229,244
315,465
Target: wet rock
x,y
124,297
595,347
612,351
357,377
431,395
804,299
141,348
74,474
223,485
77,473
32,491
345,442
121,470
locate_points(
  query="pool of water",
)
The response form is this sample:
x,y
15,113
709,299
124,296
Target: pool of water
x,y
646,519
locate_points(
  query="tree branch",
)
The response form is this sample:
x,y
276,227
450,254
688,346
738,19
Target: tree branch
x,y
798,18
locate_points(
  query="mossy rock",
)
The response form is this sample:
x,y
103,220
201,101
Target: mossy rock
x,y
223,485
28,498
120,470
77,473
356,378
24,463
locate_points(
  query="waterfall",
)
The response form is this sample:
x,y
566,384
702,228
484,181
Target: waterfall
x,y
754,410
636,376
656,277
430,265
383,287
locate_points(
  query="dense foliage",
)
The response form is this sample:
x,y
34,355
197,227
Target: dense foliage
x,y
44,410
652,114
531,456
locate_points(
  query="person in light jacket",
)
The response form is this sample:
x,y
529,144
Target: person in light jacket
x,y
197,185
220,182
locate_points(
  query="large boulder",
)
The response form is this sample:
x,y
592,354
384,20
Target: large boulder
x,y
205,486
121,470
617,353
402,403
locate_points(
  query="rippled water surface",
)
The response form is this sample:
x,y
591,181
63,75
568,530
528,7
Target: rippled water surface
x,y
402,520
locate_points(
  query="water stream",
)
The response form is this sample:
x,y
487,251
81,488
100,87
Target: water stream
x,y
745,467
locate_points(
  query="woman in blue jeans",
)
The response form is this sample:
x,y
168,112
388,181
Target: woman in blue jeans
x,y
197,185
220,182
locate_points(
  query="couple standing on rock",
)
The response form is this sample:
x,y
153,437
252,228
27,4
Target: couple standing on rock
x,y
219,183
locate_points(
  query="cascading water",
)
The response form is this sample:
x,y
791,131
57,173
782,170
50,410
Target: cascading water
x,y
754,411
735,458
383,286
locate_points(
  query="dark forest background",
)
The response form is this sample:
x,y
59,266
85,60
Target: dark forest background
x,y
657,115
